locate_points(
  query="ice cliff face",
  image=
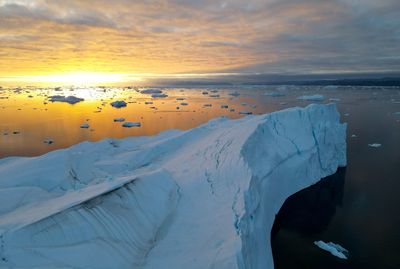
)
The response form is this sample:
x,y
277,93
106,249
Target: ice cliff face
x,y
203,198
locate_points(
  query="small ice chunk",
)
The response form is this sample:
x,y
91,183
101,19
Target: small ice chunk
x,y
375,145
148,103
334,99
69,99
204,93
335,249
244,104
274,94
180,98
130,124
184,104
159,95
84,126
236,94
48,141
151,91
214,95
396,113
330,87
119,119
118,104
353,136
207,105
224,106
315,97
245,112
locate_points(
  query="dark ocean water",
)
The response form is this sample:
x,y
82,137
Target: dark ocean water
x,y
358,207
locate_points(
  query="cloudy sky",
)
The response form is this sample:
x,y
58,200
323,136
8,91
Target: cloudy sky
x,y
198,38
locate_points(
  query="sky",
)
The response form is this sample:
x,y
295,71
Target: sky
x,y
123,40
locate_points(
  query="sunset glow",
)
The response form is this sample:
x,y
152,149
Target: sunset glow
x,y
78,42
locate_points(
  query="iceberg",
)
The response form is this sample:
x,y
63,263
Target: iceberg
x,y
201,198
159,95
69,99
119,119
335,249
151,91
118,104
274,94
315,97
130,124
375,145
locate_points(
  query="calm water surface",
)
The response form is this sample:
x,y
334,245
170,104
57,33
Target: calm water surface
x,y
359,207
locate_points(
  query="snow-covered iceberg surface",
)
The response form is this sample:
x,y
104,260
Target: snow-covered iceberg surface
x,y
203,198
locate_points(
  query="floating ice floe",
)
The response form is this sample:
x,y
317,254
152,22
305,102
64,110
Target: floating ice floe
x,y
184,104
207,105
130,124
204,93
69,99
335,249
151,91
148,103
245,112
274,94
118,104
159,95
315,97
334,99
375,145
201,198
235,94
84,126
330,87
180,99
353,136
119,119
224,106
396,113
48,141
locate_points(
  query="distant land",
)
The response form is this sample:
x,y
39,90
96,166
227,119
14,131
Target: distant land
x,y
264,79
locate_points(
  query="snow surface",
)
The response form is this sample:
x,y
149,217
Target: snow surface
x,y
202,198
335,249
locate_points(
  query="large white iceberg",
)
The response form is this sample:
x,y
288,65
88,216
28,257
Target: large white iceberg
x,y
203,198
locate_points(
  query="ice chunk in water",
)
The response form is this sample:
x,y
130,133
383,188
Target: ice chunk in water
x,y
315,97
335,249
118,104
130,124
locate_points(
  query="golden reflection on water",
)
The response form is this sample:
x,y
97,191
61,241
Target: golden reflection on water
x,y
27,117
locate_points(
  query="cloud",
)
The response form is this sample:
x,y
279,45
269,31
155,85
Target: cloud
x,y
193,36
